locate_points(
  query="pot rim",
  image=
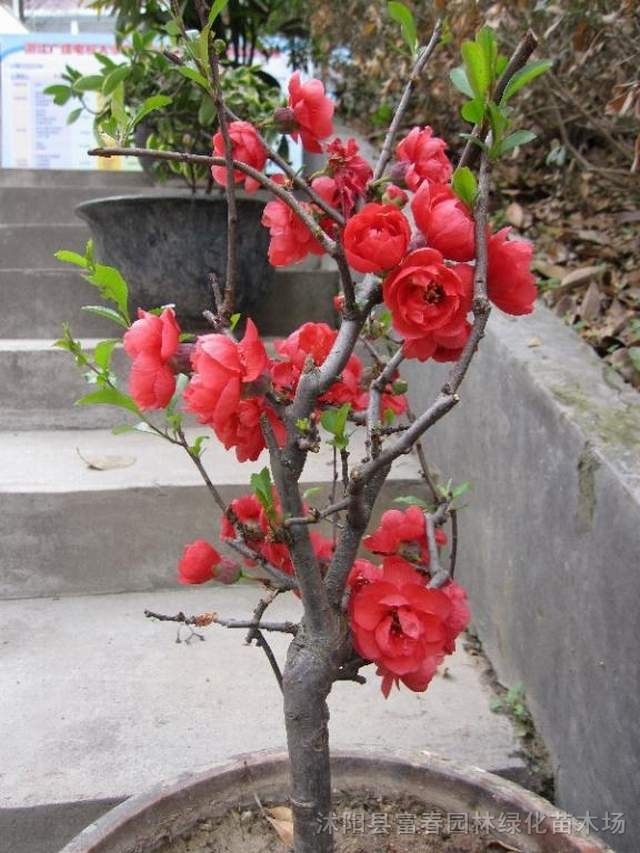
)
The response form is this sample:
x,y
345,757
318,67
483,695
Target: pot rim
x,y
164,196
443,771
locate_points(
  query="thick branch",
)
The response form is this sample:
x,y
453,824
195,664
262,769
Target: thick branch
x,y
416,71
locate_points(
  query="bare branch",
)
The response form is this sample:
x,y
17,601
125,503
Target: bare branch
x,y
376,390
281,579
328,244
416,71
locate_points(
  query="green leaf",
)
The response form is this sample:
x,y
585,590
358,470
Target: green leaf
x,y
473,111
74,115
195,76
498,122
114,78
117,105
156,102
109,397
520,137
478,72
486,38
464,185
103,352
90,83
474,140
309,493
206,111
458,77
461,489
196,449
72,258
524,76
216,8
106,313
233,321
111,286
59,93
262,488
412,500
403,16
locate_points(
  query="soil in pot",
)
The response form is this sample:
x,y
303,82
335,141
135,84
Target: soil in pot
x,y
359,826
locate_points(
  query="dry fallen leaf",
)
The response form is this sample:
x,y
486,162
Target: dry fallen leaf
x,y
580,275
105,463
515,214
591,304
281,819
534,342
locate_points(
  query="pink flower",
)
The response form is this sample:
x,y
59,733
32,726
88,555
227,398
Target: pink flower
x,y
291,240
198,563
223,372
312,112
510,283
445,222
151,342
426,158
403,533
246,148
376,238
429,304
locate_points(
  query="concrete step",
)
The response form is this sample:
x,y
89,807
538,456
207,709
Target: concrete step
x,y
53,204
94,178
41,300
38,302
98,703
41,384
33,246
69,529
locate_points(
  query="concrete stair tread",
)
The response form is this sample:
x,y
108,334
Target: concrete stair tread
x,y
98,702
51,461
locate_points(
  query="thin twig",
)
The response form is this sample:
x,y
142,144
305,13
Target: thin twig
x,y
226,309
317,515
376,390
439,575
329,245
281,579
454,542
416,71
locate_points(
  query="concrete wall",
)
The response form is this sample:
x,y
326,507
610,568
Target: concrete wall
x,y
550,547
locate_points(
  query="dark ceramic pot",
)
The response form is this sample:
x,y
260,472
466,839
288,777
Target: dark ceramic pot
x,y
141,824
166,245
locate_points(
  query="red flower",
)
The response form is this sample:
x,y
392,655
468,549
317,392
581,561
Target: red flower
x,y
401,625
312,112
223,371
246,148
445,222
314,341
198,563
429,303
403,533
291,240
510,284
151,342
426,158
350,171
242,428
376,238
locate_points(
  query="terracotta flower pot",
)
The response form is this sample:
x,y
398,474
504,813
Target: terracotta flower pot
x,y
166,245
142,823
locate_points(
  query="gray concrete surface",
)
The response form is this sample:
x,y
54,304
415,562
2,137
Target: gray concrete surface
x,y
33,246
81,178
98,703
38,205
66,529
550,545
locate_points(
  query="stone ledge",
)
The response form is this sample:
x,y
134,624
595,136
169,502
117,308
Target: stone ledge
x,y
551,542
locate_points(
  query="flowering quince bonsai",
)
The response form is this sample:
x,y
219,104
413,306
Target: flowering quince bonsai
x,y
418,230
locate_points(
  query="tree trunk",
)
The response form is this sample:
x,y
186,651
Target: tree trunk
x,y
306,684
